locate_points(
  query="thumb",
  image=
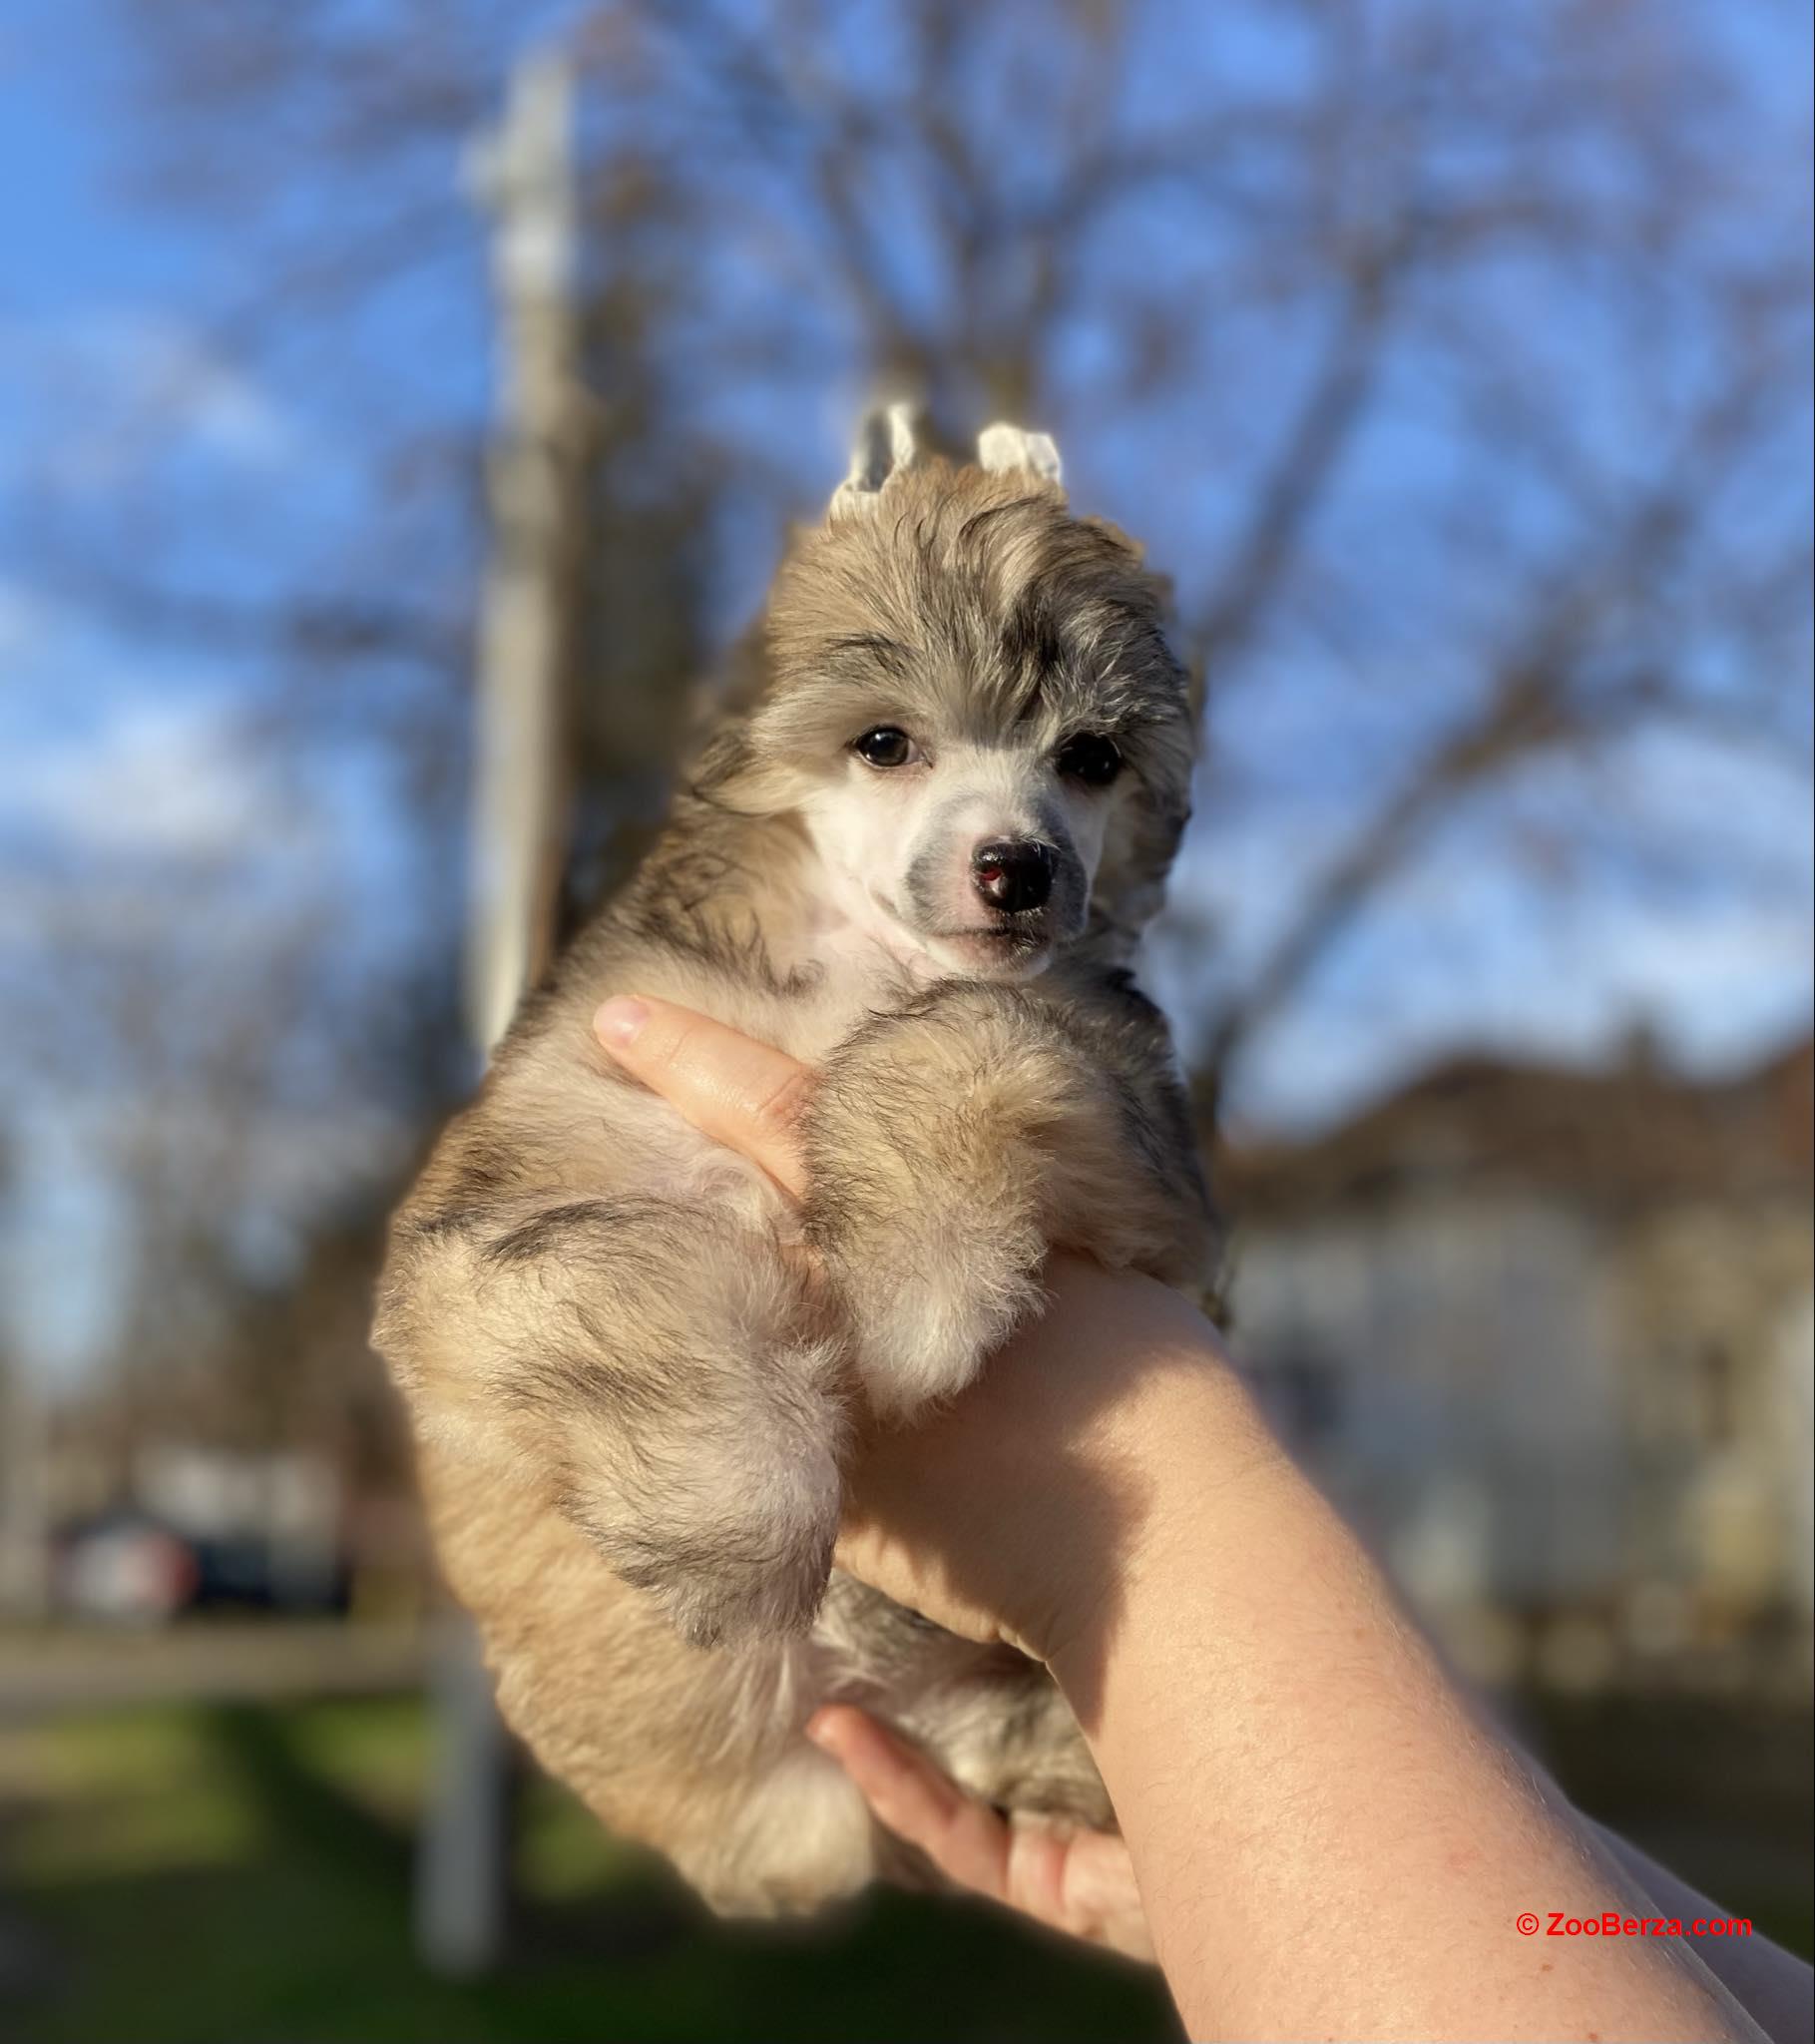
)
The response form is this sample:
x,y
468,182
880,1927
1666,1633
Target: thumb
x,y
743,1093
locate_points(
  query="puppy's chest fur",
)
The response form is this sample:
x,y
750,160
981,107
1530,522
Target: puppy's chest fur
x,y
783,965
532,1287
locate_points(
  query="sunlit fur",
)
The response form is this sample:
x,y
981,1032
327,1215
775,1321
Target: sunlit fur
x,y
630,1414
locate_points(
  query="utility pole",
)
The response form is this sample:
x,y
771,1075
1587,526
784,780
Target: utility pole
x,y
24,1503
24,1455
523,174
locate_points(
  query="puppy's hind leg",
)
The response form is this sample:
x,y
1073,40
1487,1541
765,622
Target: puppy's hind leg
x,y
799,1837
653,1367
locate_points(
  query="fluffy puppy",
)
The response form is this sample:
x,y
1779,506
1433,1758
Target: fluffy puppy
x,y
916,851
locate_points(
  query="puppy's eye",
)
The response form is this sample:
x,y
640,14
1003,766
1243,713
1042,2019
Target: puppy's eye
x,y
1090,757
886,747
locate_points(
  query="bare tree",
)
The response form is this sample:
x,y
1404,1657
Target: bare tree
x,y
1458,354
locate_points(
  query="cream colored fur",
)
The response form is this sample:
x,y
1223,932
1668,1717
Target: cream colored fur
x,y
630,1414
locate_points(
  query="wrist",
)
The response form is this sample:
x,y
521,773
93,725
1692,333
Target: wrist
x,y
1022,1511
1181,1437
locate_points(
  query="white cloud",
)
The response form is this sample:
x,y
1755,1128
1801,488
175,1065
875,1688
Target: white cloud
x,y
23,621
1717,983
1720,983
172,779
107,750
120,387
1684,901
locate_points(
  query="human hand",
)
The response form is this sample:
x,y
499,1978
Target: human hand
x,y
1009,1514
1060,1874
1106,1498
923,1504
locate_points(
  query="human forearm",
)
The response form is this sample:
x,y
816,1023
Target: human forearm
x,y
1303,1791
1327,1842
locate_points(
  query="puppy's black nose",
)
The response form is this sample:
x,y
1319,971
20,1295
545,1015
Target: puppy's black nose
x,y
1012,874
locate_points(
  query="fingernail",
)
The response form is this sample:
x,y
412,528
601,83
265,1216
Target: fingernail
x,y
823,1735
620,1019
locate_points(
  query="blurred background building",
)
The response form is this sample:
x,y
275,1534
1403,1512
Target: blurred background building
x,y
1546,1332
1453,361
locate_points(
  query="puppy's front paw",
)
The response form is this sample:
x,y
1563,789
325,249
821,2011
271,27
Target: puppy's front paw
x,y
930,1146
927,1306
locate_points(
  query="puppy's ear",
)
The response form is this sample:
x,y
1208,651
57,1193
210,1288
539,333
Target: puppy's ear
x,y
885,444
1001,447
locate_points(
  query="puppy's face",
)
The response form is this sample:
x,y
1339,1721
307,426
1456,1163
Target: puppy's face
x,y
976,846
971,707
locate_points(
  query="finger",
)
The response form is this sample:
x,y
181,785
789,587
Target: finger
x,y
743,1093
964,1840
1079,1881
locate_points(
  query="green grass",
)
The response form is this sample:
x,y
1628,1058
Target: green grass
x,y
197,1875
193,1874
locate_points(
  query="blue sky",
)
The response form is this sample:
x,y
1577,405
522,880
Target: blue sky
x,y
146,806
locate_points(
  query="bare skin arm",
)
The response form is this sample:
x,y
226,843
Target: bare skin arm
x,y
1326,1840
